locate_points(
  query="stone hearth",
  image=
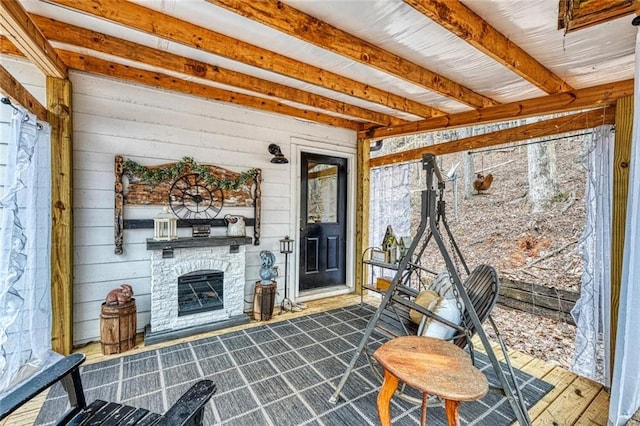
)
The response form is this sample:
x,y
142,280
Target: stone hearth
x,y
172,259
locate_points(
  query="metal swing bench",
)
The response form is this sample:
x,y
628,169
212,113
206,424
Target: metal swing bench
x,y
478,294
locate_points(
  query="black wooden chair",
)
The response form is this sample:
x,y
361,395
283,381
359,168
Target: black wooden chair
x,y
187,411
482,287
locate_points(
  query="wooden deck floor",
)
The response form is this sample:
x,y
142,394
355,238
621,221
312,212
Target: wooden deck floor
x,y
573,401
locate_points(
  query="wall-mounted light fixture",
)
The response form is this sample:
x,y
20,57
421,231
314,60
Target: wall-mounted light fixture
x,y
377,145
278,156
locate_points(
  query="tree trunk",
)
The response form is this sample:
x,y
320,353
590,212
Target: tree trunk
x,y
543,182
467,174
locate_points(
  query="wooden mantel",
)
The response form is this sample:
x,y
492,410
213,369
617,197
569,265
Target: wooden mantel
x,y
198,242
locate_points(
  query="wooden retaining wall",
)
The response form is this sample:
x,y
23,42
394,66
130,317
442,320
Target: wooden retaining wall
x,y
538,299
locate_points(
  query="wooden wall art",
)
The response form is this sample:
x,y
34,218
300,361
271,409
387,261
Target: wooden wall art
x,y
150,186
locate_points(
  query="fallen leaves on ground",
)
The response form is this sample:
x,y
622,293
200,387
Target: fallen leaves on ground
x,y
498,228
543,338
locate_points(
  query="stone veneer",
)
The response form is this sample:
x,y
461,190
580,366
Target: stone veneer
x,y
164,283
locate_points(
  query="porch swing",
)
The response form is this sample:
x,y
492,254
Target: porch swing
x,y
474,297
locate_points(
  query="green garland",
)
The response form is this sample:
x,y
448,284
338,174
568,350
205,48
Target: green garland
x,y
157,175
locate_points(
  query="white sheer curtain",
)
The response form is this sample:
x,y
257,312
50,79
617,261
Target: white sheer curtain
x,y
592,311
625,390
25,203
389,202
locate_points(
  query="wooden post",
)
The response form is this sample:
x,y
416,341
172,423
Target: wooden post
x,y
621,159
59,117
362,207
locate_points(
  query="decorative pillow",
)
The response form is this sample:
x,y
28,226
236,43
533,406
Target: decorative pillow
x,y
442,285
427,280
445,308
424,299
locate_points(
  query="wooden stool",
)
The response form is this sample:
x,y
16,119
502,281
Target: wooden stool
x,y
432,366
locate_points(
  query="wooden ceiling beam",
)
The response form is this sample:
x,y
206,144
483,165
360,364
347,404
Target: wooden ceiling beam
x,y
98,66
293,22
8,48
70,34
162,81
11,88
466,24
554,126
26,36
575,15
591,97
152,22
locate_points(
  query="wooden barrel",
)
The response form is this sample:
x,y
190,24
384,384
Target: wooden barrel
x,y
118,327
263,300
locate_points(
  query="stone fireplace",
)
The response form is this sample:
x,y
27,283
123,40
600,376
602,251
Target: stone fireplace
x,y
212,270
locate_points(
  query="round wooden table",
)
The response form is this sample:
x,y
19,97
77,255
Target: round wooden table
x,y
432,366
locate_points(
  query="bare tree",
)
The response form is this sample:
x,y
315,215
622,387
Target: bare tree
x,y
543,181
467,174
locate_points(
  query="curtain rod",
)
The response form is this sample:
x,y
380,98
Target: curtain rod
x,y
499,148
7,101
529,143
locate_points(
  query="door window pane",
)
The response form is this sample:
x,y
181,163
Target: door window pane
x,y
322,191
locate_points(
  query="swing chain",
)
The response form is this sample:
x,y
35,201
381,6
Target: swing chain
x,y
441,217
456,294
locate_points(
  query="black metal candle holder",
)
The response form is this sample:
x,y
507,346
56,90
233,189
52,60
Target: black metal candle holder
x,y
286,247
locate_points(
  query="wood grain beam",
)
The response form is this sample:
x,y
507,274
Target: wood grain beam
x,y
147,20
8,48
26,36
293,22
575,15
11,88
591,97
70,34
59,94
162,81
362,209
621,170
554,126
466,24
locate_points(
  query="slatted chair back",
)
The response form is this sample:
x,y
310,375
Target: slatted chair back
x,y
187,411
482,288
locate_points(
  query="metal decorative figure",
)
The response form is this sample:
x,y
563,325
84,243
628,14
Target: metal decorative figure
x,y
120,296
267,271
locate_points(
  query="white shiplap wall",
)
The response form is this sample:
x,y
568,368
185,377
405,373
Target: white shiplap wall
x,y
5,129
153,127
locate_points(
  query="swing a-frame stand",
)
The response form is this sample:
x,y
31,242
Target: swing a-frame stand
x,y
401,293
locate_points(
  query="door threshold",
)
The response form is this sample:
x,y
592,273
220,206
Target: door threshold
x,y
323,292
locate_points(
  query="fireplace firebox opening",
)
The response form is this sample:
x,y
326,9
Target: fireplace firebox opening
x,y
200,291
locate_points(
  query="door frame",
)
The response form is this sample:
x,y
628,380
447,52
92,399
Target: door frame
x,y
299,145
